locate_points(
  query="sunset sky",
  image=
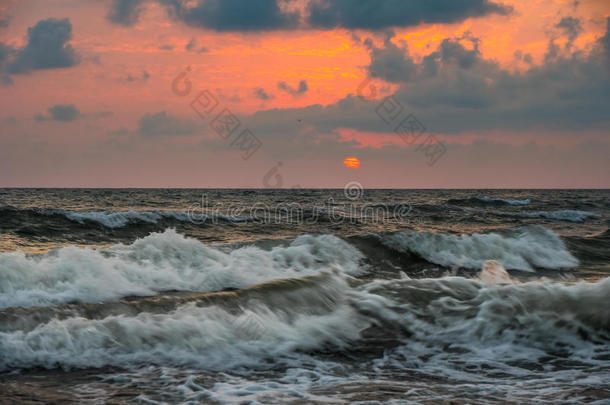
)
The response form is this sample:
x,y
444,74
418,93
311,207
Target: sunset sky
x,y
517,92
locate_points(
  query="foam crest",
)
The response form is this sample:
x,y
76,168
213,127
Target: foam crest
x,y
209,337
520,249
499,322
507,201
562,215
161,262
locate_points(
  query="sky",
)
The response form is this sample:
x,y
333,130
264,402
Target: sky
x,y
278,93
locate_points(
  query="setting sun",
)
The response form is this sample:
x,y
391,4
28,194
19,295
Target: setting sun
x,y
352,162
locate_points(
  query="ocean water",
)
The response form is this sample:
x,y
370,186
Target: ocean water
x,y
304,296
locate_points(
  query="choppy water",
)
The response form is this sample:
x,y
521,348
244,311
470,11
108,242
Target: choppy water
x,y
304,296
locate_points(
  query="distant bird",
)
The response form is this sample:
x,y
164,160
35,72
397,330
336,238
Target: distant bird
x,y
299,121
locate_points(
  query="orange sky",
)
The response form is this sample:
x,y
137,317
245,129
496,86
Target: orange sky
x,y
234,65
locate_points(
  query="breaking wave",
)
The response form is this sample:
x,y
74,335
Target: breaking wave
x,y
489,201
562,215
161,262
119,219
517,249
285,320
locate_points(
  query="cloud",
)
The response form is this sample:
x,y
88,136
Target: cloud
x,y
289,89
6,53
47,48
192,46
267,15
142,77
60,112
571,27
125,12
166,47
390,62
232,15
454,89
161,123
376,15
261,94
605,40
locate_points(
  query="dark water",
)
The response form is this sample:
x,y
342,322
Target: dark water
x,y
304,296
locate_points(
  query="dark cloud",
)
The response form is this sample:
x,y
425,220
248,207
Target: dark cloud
x,y
294,91
47,48
232,15
393,63
125,12
454,89
390,62
261,94
266,15
65,112
605,40
192,46
161,123
374,14
60,112
166,47
6,53
141,77
570,92
571,27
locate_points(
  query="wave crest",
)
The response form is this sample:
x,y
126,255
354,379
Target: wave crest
x,y
161,262
518,249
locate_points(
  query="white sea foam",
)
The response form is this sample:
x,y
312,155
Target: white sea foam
x,y
521,249
500,327
562,215
488,326
508,201
207,337
160,262
119,219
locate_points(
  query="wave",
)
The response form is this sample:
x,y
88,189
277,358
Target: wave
x,y
562,215
286,320
591,249
522,248
161,262
489,201
109,219
118,219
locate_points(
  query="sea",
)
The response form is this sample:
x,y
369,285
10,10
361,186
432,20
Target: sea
x,y
304,296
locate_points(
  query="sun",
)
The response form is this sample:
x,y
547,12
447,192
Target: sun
x,y
352,162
